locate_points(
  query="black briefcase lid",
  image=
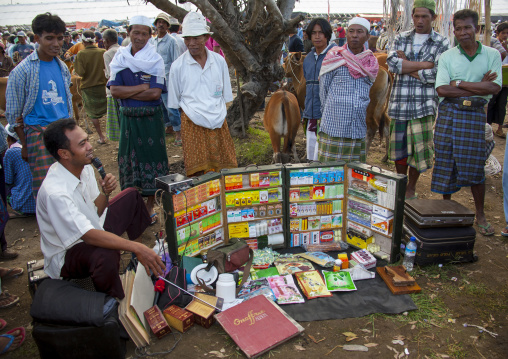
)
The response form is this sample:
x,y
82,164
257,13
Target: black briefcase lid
x,y
438,208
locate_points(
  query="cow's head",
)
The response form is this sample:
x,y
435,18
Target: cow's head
x,y
293,65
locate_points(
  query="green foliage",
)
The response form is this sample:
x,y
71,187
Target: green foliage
x,y
256,148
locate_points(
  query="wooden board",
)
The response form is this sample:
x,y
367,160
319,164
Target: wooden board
x,y
397,290
400,277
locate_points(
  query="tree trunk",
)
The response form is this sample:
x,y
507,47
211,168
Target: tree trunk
x,y
251,34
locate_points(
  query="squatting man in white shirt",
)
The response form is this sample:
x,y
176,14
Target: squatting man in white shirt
x,y
80,226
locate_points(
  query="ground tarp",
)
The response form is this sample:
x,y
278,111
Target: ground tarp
x,y
372,296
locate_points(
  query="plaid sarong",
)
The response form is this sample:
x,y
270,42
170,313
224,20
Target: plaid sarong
x,y
112,121
39,158
460,147
341,149
94,100
412,139
142,153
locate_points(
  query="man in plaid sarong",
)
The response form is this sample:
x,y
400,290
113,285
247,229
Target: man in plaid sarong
x,y
346,76
413,59
38,94
467,77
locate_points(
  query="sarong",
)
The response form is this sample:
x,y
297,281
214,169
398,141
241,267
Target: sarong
x,y
205,149
94,100
460,147
341,149
112,121
413,140
142,153
39,158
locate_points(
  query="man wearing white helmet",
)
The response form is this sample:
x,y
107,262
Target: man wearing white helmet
x,y
199,85
138,78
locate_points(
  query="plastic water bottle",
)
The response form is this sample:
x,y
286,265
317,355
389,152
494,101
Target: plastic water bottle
x,y
410,254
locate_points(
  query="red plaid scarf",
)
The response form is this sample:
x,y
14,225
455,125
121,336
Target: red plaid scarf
x,y
361,65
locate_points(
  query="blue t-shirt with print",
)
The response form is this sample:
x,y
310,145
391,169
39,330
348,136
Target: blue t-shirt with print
x,y
23,50
127,78
51,103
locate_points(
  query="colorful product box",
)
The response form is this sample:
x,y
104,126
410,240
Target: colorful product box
x,y
382,224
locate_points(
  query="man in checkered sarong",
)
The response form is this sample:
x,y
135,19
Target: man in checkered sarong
x,y
467,77
38,94
346,76
413,102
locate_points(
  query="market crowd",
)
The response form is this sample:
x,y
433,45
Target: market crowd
x,y
160,78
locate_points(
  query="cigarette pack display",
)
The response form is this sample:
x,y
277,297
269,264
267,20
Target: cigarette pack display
x,y
318,192
305,193
294,195
264,179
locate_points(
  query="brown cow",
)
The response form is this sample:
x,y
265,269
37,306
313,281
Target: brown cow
x,y
377,118
293,67
282,118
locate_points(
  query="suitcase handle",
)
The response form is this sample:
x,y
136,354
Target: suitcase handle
x,y
379,168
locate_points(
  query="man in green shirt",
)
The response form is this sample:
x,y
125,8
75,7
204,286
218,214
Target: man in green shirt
x,y
467,77
89,65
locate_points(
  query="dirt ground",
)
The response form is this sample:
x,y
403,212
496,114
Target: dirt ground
x,y
473,293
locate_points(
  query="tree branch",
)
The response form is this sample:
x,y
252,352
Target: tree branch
x,y
228,36
286,8
168,7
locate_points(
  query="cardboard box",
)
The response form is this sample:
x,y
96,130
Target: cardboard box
x,y
382,211
381,224
203,314
156,321
180,319
358,240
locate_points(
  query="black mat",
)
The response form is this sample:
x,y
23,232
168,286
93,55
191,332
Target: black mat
x,y
371,296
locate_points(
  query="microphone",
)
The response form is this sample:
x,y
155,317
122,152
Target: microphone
x,y
96,162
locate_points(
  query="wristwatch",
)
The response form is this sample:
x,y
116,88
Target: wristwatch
x,y
457,83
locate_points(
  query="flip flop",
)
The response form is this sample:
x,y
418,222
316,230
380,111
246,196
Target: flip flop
x,y
13,273
8,300
486,230
153,217
3,324
414,197
13,214
12,338
504,234
101,142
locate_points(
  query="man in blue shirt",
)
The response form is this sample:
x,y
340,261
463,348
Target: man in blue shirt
x,y
18,177
320,32
22,48
38,94
167,47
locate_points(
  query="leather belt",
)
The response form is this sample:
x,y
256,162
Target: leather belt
x,y
471,102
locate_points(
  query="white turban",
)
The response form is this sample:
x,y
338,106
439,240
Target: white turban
x,y
360,21
140,20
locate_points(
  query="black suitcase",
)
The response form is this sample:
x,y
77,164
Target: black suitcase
x,y
426,213
440,245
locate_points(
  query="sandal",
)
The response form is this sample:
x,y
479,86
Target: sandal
x,y
178,142
503,233
12,273
12,337
101,142
414,197
500,134
7,255
13,214
153,217
7,300
486,230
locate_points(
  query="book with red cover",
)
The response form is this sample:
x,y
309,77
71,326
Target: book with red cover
x,y
258,325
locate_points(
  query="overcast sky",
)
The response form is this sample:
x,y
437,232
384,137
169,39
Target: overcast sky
x,y
23,11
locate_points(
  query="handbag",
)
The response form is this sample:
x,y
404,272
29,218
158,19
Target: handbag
x,y
229,258
171,294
